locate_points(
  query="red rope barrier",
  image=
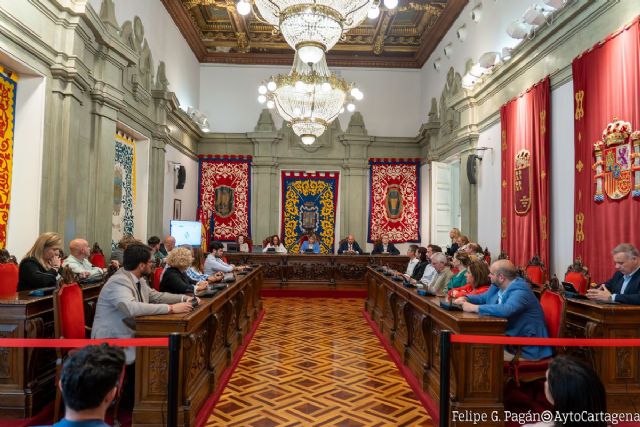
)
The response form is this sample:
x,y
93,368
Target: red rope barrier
x,y
76,343
564,342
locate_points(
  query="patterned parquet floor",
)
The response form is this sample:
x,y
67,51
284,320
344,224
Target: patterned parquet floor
x,y
316,362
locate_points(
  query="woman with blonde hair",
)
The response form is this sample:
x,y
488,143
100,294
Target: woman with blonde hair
x,y
40,266
453,235
175,279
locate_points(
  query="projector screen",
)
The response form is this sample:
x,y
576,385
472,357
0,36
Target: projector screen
x,y
186,232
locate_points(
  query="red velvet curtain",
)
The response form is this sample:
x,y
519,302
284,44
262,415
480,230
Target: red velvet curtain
x,y
606,86
525,123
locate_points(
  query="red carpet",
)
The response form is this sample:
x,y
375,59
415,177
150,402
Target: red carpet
x,y
44,417
313,293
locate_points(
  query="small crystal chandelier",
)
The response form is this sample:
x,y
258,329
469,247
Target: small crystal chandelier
x,y
312,27
310,97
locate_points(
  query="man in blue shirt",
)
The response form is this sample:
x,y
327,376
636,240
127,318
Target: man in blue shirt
x,y
624,286
511,298
89,383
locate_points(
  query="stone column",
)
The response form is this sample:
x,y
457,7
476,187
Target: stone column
x,y
264,188
354,212
156,185
468,200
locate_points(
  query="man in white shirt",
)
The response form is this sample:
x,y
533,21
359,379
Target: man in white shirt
x,y
215,263
413,261
78,262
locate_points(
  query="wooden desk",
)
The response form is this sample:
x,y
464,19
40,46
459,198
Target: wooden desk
x,y
27,375
412,324
317,271
619,367
210,336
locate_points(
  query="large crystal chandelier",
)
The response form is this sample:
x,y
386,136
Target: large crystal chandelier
x,y
310,97
313,27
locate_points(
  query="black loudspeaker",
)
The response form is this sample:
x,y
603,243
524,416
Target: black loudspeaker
x,y
472,168
182,177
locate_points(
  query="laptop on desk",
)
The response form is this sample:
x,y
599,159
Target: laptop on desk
x,y
233,247
571,291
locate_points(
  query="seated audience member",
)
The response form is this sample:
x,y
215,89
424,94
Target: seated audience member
x,y
242,245
462,241
214,262
443,275
168,245
418,270
40,266
413,259
175,279
429,270
89,384
574,387
310,243
274,242
474,251
624,286
154,244
384,247
453,235
512,299
125,296
476,279
460,261
116,254
349,246
196,271
78,263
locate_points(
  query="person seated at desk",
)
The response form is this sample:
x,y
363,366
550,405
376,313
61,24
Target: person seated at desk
x,y
624,286
40,266
418,270
274,243
349,246
167,246
461,261
429,272
175,279
384,247
413,260
476,279
310,243
89,382
125,296
243,246
214,262
440,264
453,235
117,253
196,270
512,299
78,263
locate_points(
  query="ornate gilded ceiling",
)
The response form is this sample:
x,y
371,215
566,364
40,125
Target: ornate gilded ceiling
x,y
400,38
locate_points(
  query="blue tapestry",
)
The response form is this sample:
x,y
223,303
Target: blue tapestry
x,y
309,204
123,189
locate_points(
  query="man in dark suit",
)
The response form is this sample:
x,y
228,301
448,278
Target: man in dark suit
x,y
385,247
624,286
349,246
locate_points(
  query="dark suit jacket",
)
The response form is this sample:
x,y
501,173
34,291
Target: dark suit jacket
x,y
452,250
631,293
418,270
345,246
377,249
176,282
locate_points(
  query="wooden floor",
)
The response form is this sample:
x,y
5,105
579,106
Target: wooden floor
x,y
328,369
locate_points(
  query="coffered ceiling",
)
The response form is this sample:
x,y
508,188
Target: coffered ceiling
x,y
400,38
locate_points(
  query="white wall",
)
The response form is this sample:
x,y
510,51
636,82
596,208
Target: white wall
x,y
391,104
166,44
188,195
489,202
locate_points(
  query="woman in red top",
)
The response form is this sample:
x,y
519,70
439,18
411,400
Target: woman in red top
x,y
477,281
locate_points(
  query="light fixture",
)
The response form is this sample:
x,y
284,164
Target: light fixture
x,y
312,27
448,50
437,64
310,97
556,4
489,59
506,54
518,30
476,13
243,7
198,118
535,15
461,33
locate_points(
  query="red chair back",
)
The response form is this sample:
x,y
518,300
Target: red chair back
x,y
578,280
97,260
554,306
536,275
69,312
8,279
156,278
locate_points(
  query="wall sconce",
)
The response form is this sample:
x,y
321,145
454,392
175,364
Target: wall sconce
x,y
437,64
507,52
535,15
461,33
448,50
518,30
476,13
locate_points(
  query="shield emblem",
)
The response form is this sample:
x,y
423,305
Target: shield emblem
x,y
309,216
224,201
617,171
393,202
522,182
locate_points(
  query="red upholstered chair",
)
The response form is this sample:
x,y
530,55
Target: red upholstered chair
x,y
157,275
579,281
554,307
535,271
8,280
97,260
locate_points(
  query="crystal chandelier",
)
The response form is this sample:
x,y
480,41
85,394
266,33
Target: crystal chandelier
x,y
310,97
312,27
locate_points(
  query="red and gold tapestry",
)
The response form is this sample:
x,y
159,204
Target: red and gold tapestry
x,y
606,84
394,200
525,124
8,86
225,196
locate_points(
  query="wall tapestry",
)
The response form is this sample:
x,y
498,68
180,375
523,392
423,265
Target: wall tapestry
x,y
394,200
309,204
124,188
8,87
225,195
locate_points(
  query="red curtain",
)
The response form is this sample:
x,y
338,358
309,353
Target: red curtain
x,y
525,123
606,86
